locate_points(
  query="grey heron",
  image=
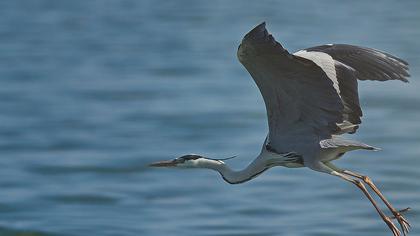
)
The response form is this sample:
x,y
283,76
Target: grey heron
x,y
311,99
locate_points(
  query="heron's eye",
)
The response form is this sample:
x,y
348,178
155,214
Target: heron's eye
x,y
190,157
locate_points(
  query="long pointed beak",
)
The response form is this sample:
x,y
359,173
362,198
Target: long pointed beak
x,y
170,163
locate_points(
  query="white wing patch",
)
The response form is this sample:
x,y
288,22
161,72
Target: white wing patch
x,y
325,61
344,65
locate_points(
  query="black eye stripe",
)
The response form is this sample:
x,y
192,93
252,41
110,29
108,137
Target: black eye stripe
x,y
188,157
191,157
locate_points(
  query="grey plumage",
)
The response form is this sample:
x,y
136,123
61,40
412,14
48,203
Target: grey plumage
x,y
311,98
348,85
302,105
368,63
307,101
336,142
353,63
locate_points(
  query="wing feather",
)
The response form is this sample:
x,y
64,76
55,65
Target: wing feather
x,y
312,95
300,99
353,63
368,63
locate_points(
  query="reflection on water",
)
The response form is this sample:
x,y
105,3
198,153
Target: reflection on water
x,y
93,91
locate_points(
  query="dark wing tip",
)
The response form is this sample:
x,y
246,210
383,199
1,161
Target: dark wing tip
x,y
259,38
261,25
258,32
258,42
405,79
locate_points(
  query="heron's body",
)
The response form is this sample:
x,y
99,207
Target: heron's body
x,y
311,98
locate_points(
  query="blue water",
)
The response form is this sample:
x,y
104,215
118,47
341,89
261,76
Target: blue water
x,y
93,91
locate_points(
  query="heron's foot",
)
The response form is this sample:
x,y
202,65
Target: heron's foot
x,y
405,225
392,226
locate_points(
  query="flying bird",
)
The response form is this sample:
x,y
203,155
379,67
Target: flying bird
x,y
311,98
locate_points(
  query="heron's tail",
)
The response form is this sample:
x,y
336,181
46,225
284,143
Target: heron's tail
x,y
349,145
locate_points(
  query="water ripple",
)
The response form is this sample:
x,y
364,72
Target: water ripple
x,y
93,91
70,170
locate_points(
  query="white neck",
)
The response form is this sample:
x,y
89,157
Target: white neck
x,y
255,168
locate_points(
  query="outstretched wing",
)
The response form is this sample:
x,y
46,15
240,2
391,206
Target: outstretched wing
x,y
367,63
312,94
302,104
344,64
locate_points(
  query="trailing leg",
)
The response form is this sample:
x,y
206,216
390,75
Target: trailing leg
x,y
326,169
405,225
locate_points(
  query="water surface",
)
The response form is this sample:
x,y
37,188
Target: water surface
x,y
93,91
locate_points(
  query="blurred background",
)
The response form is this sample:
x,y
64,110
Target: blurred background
x,y
93,91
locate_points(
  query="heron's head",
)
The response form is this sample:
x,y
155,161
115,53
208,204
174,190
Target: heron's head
x,y
190,161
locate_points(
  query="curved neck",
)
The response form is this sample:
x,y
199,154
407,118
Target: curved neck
x,y
254,169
